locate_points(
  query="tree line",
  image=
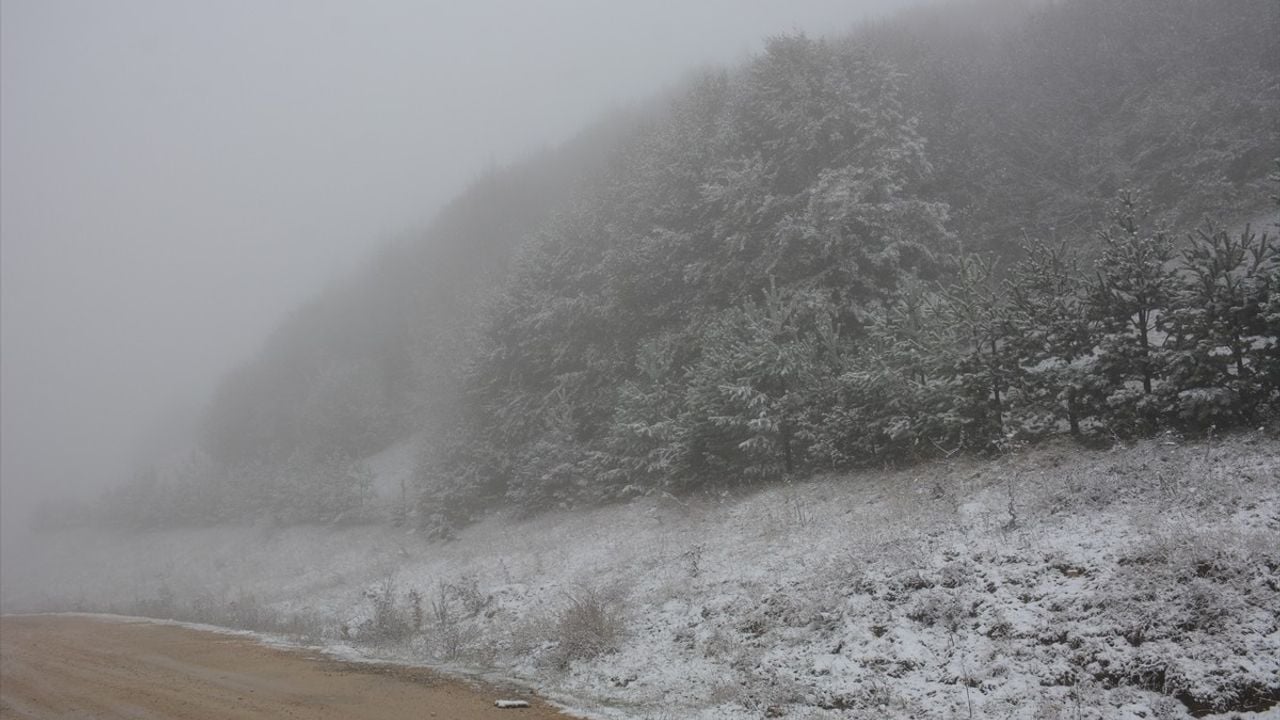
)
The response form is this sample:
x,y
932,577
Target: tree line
x,y
762,289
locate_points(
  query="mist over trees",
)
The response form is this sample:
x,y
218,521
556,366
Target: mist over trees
x,y
1036,116
964,228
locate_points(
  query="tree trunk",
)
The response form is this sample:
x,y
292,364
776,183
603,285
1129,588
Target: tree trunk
x,y
785,432
1073,415
998,405
1146,353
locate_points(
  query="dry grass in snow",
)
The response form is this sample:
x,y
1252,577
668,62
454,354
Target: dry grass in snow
x,y
1139,582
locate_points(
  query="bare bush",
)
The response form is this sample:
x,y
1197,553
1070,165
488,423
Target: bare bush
x,y
389,622
466,590
451,608
589,625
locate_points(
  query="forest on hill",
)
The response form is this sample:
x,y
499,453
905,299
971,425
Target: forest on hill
x,y
956,230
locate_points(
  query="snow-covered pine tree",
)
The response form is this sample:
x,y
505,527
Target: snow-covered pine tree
x,y
893,398
1219,327
760,375
646,446
1129,298
1053,341
974,308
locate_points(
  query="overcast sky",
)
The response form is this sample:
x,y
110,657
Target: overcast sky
x,y
176,176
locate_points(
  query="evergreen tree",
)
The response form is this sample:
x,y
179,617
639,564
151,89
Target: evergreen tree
x,y
647,445
893,395
1129,298
826,176
757,379
1053,340
975,313
1219,364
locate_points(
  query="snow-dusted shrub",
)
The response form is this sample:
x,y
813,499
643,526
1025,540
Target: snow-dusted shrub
x,y
453,608
466,590
389,623
590,624
789,607
941,607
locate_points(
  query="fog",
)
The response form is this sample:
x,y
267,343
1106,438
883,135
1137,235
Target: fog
x,y
657,357
177,176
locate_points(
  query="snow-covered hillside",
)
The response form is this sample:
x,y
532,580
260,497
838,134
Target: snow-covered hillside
x,y
1139,582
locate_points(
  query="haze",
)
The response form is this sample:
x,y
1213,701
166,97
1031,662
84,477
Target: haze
x,y
178,176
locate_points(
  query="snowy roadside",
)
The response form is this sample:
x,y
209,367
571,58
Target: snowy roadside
x,y
1131,583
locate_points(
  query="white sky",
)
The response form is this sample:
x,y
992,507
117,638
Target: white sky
x,y
175,176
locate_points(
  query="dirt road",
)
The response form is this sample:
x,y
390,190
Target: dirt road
x,y
80,667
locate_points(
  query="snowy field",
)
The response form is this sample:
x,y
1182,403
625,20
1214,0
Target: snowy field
x,y
1139,582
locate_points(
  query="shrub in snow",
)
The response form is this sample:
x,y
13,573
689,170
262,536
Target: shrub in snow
x,y
453,631
388,623
590,624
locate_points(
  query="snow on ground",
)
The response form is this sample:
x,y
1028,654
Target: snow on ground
x,y
1054,583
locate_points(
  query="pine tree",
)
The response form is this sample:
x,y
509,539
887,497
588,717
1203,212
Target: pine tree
x,y
1219,324
647,446
1129,298
757,379
894,395
845,159
1052,339
976,313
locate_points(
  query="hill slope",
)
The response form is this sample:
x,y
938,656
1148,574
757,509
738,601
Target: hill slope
x,y
1140,582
